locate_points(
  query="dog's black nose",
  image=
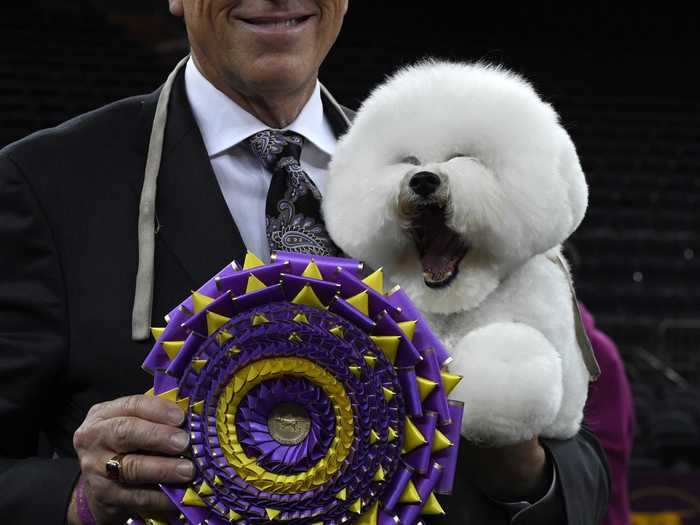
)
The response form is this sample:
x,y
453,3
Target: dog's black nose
x,y
424,183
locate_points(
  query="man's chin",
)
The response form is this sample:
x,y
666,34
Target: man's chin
x,y
275,89
283,73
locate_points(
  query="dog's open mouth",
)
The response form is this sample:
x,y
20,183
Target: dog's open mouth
x,y
440,248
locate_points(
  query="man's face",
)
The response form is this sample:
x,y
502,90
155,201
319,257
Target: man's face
x,y
261,47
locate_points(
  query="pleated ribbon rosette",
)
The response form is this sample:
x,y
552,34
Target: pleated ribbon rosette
x,y
378,438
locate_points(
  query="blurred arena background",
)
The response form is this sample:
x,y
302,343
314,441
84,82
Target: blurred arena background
x,y
623,81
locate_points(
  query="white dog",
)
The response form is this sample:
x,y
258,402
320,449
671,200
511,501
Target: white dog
x,y
460,181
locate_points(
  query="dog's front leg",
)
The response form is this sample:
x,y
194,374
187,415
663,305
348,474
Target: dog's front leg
x,y
512,385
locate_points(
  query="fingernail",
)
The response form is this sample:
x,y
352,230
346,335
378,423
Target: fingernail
x,y
176,416
185,469
180,440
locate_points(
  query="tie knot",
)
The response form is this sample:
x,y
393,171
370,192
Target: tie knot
x,y
275,149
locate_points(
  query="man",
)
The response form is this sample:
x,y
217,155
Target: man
x,y
610,412
69,212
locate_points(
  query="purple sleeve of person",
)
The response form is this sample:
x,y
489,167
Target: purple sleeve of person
x,y
609,413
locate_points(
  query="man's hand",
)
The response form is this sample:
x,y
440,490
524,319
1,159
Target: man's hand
x,y
145,429
517,472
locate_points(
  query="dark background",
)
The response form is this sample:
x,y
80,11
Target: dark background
x,y
622,77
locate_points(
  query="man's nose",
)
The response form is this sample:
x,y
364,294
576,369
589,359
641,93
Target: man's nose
x,y
424,183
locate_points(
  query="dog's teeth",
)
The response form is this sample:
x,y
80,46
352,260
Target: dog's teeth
x,y
431,278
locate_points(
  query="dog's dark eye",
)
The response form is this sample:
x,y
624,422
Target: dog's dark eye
x,y
410,160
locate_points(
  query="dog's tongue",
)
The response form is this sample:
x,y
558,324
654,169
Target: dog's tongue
x,y
440,248
441,257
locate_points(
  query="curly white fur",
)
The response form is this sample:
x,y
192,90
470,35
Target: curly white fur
x,y
516,191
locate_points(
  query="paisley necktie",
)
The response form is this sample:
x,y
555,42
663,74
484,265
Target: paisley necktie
x,y
293,206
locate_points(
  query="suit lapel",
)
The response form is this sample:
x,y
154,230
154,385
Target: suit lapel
x,y
339,117
194,221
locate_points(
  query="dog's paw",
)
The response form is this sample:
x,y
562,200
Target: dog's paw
x,y
511,386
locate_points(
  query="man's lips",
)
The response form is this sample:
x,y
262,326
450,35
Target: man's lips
x,y
281,22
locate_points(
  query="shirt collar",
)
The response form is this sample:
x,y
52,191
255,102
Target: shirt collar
x,y
224,124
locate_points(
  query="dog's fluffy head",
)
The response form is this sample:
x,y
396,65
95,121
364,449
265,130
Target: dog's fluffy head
x,y
451,176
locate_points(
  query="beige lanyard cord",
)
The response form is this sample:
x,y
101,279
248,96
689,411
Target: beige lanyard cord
x,y
143,294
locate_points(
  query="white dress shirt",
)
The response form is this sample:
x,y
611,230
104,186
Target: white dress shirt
x,y
243,180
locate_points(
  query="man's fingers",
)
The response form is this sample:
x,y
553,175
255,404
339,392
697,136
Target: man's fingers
x,y
138,469
142,499
129,434
154,409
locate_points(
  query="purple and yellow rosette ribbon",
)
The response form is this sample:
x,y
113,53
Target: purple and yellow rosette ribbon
x,y
378,437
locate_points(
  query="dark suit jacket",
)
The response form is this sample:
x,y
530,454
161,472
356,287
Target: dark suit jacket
x,y
69,199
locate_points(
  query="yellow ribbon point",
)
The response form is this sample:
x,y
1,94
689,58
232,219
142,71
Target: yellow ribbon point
x,y
300,318
373,437
233,515
408,328
388,393
432,506
393,434
251,261
379,474
272,513
370,360
259,319
205,490
198,407
370,516
425,387
356,370
375,281
360,302
254,284
410,494
154,521
312,271
342,495
413,438
172,348
223,336
170,395
338,331
200,301
449,381
294,338
388,344
183,403
218,481
156,332
198,364
356,506
192,499
308,297
440,441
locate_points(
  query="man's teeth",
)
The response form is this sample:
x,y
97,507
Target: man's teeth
x,y
278,23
